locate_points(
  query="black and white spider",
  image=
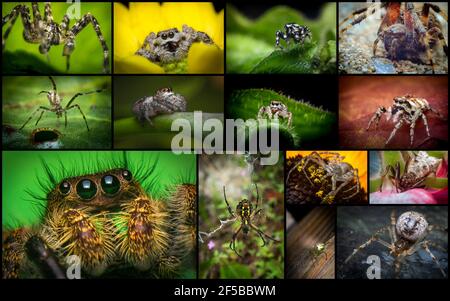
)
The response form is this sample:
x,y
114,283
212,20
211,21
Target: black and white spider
x,y
48,33
297,33
405,109
56,107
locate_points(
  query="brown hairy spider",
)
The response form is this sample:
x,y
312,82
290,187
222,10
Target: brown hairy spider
x,y
48,33
407,235
405,110
418,167
407,33
246,213
331,165
55,102
109,222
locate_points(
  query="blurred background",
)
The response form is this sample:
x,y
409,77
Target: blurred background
x,y
20,99
20,57
239,173
202,93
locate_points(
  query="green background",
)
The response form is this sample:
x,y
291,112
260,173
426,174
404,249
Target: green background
x,y
20,99
23,169
202,93
87,56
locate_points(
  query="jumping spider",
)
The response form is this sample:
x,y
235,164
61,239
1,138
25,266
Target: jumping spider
x,y
55,102
274,110
297,33
407,34
165,101
171,45
331,165
110,222
246,213
417,168
407,234
48,33
405,109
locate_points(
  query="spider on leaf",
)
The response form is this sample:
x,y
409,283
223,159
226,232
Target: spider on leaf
x,y
48,33
56,107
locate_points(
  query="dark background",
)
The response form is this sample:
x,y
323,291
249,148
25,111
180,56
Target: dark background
x,y
317,90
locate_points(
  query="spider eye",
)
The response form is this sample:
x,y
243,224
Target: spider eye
x,y
86,189
64,187
171,34
126,174
164,36
110,184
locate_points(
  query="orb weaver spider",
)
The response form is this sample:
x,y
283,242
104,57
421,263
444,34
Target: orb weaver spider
x,y
246,213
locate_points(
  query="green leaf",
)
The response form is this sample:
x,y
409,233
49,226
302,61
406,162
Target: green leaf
x,y
244,52
235,271
22,62
375,184
436,183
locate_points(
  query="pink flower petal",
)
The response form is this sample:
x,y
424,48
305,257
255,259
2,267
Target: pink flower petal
x,y
412,196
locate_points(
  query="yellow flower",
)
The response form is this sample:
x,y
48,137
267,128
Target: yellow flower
x,y
132,25
319,193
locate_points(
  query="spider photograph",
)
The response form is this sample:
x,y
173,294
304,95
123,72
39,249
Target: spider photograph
x,y
99,214
304,116
393,38
56,112
326,177
145,108
241,217
386,242
179,37
287,38
56,38
392,112
310,242
408,177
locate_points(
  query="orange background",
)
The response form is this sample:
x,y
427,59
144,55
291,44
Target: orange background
x,y
358,159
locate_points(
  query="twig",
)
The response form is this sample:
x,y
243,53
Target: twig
x,y
222,224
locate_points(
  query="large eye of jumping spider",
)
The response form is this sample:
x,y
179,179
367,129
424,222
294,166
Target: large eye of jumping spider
x,y
86,189
172,45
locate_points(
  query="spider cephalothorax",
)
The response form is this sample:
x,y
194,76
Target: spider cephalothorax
x,y
110,223
297,33
407,34
56,106
48,33
246,213
171,45
165,101
407,235
405,110
417,168
329,165
274,110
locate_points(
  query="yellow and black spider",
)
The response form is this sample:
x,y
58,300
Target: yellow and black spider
x,y
246,213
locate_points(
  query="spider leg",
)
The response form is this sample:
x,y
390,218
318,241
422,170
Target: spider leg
x,y
79,109
376,117
358,185
426,10
36,14
48,15
203,37
228,205
398,265
392,229
147,49
289,115
427,249
34,113
435,32
279,35
80,25
358,16
257,198
261,234
233,241
53,83
374,237
397,126
425,121
64,25
12,17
